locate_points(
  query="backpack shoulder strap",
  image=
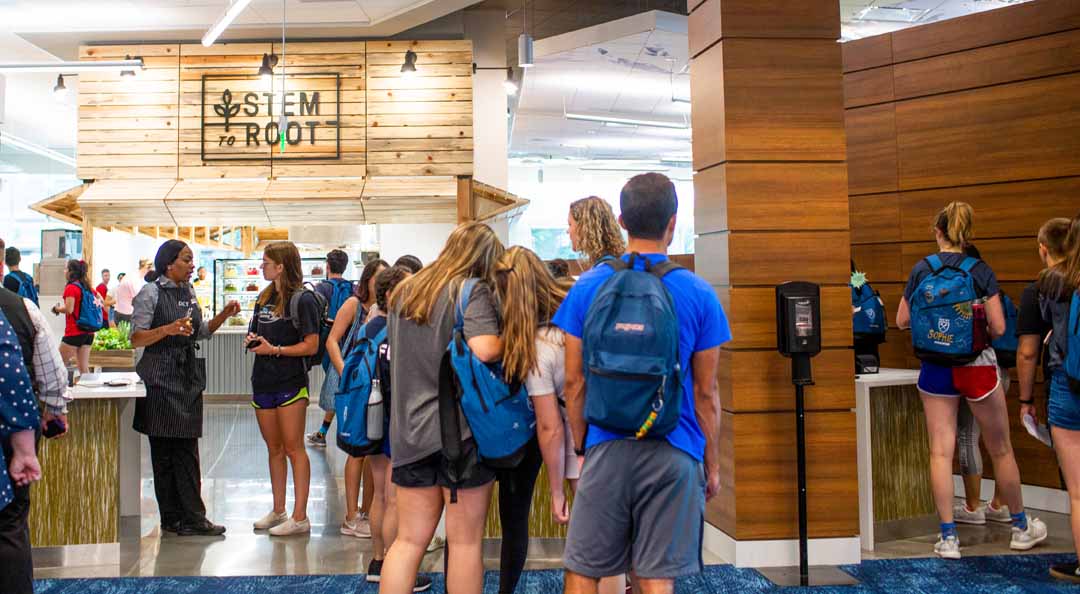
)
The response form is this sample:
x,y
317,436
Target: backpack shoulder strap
x,y
463,302
293,310
968,264
934,261
663,268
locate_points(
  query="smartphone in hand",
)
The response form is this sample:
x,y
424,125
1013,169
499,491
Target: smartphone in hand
x,y
254,343
54,428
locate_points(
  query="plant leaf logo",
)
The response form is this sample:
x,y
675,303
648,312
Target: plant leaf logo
x,y
227,109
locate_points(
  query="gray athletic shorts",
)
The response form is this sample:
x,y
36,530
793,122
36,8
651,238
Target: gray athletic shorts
x,y
640,505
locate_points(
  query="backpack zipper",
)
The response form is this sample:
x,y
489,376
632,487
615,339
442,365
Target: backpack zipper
x,y
633,376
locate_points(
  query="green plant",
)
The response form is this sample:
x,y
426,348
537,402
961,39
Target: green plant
x,y
113,339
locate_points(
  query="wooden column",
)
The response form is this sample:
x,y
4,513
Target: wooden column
x,y
465,210
771,206
88,245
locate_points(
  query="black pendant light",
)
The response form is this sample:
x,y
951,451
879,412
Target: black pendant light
x,y
409,67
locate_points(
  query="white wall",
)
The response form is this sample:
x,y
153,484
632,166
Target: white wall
x,y
424,241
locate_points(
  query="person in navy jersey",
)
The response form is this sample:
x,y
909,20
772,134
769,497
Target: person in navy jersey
x,y
19,465
640,503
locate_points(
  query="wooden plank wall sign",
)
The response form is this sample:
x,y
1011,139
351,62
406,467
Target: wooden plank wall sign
x,y
981,109
198,112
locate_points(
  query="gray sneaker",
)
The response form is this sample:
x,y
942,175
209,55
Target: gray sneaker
x,y
1023,540
962,515
948,548
316,439
1000,515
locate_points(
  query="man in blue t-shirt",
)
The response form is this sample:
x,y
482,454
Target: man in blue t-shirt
x,y
640,504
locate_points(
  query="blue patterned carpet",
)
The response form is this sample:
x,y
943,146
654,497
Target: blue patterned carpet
x,y
976,575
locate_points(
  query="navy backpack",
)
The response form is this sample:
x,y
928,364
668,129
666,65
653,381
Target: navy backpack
x,y
1005,345
354,390
90,317
633,379
868,318
26,286
1072,345
499,414
942,314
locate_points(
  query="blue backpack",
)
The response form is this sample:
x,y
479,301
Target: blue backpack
x,y
633,380
26,286
1072,346
90,317
869,312
354,390
342,290
1005,345
499,414
942,314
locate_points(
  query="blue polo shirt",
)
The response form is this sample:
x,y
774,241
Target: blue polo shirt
x,y
702,326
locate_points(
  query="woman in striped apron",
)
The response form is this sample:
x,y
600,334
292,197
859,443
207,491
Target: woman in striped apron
x,y
166,323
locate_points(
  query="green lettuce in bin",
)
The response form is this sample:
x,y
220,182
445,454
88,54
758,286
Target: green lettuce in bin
x,y
117,338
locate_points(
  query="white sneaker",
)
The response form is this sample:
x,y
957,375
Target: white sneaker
x,y
1001,515
270,520
291,527
1023,540
962,515
360,527
948,548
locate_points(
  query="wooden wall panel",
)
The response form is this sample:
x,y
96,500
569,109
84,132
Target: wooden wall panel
x,y
760,381
1031,19
1001,210
118,137
437,121
152,126
752,315
868,87
1010,132
868,52
875,219
772,258
785,196
1020,60
715,19
764,475
985,112
872,152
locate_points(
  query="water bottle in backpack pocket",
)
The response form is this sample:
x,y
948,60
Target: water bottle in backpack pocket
x,y
499,414
943,324
358,391
1072,346
630,342
90,317
1006,344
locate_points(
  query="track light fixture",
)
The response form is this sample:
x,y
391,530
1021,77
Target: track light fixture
x,y
60,91
409,67
266,70
127,73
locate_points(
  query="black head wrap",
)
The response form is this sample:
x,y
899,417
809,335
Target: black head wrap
x,y
167,254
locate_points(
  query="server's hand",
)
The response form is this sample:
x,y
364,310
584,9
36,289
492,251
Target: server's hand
x,y
181,327
231,309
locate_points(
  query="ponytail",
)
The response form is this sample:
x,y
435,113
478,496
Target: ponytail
x,y
955,223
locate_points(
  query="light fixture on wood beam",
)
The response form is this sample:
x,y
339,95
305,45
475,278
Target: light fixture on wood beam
x,y
408,69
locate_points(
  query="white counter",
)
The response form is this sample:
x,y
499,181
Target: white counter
x,y
98,390
863,385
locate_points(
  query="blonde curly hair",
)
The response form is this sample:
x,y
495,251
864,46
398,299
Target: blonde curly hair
x,y
597,229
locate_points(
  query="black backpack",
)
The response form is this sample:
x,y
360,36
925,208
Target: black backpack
x,y
292,313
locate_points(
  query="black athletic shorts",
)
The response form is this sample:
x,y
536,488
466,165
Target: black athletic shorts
x,y
79,340
433,470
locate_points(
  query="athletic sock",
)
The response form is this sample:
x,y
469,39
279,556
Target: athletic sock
x,y
948,529
325,428
1019,520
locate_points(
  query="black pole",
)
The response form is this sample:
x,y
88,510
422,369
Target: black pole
x,y
800,436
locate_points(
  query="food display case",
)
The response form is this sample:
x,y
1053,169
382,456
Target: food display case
x,y
242,281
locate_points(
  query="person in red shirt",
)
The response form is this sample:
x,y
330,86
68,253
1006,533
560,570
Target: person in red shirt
x,y
76,343
103,290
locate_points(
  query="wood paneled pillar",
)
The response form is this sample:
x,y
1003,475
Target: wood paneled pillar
x,y
771,206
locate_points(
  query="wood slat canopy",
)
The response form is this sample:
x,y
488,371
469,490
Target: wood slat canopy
x,y
276,203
